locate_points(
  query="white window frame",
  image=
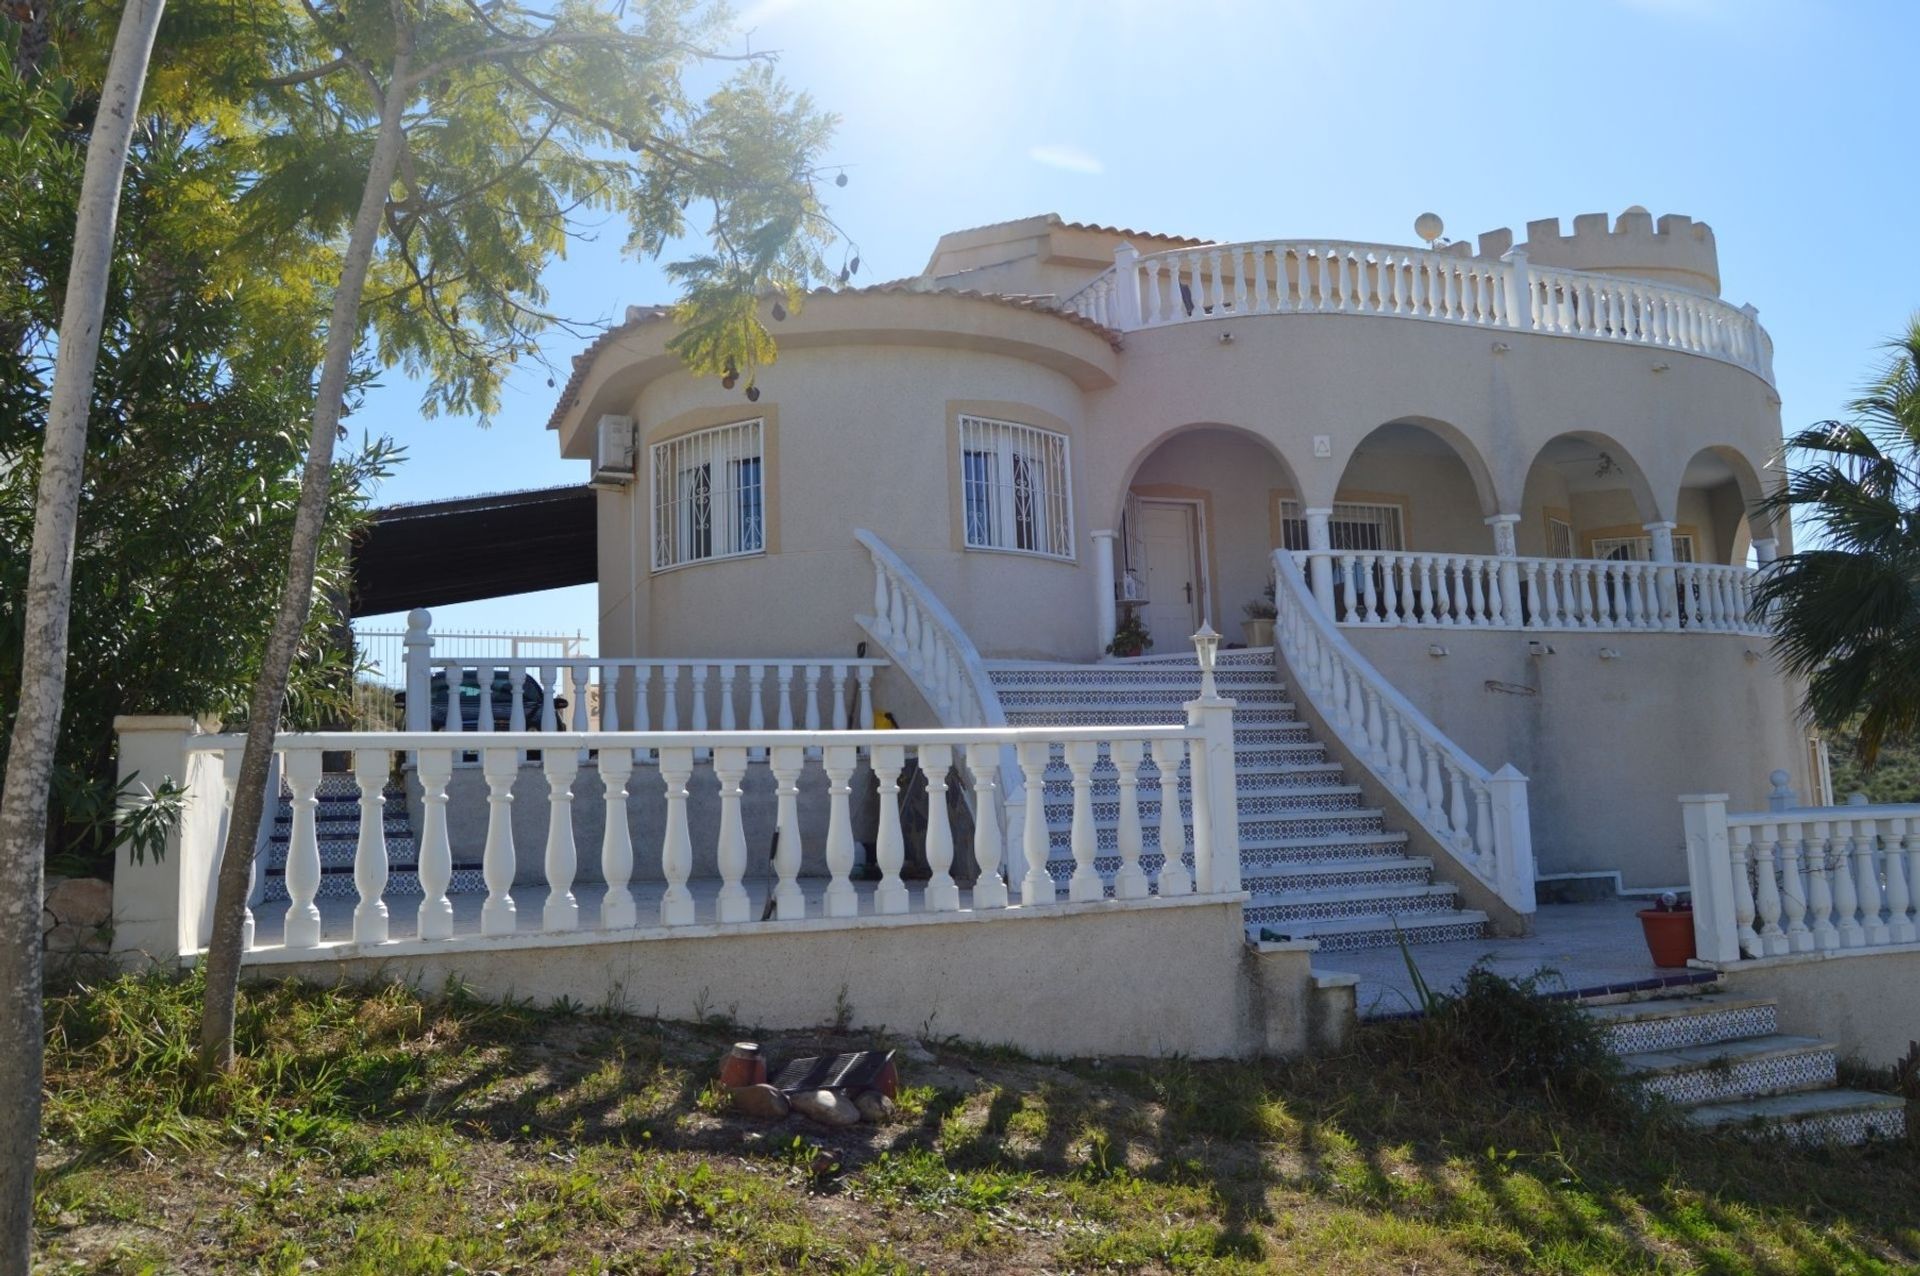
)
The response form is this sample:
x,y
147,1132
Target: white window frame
x,y
1001,503
1388,516
696,519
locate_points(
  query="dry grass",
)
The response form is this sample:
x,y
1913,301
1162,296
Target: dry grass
x,y
376,1131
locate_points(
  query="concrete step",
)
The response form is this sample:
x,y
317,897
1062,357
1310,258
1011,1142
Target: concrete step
x,y
1257,857
1749,1068
1145,715
1635,1027
1283,826
1845,1117
1159,695
1378,930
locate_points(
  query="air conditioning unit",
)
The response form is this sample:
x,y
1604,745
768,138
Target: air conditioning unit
x,y
615,453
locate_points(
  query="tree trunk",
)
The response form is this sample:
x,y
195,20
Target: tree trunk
x,y
43,664
296,601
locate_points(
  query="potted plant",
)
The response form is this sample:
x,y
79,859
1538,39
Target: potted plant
x,y
1130,638
1669,929
1260,614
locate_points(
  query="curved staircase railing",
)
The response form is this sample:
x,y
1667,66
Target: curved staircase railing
x,y
1479,817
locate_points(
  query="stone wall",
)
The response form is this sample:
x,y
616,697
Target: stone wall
x,y
77,916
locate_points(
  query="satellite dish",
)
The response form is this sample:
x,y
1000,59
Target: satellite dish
x,y
1429,227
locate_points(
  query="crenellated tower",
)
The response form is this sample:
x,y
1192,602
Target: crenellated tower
x,y
1674,250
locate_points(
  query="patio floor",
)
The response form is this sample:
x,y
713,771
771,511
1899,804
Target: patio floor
x,y
1590,947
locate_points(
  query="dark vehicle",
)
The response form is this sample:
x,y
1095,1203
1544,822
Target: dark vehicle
x,y
532,696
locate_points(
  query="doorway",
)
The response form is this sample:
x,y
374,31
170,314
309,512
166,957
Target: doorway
x,y
1173,541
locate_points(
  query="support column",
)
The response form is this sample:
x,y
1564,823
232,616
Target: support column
x,y
1105,613
1216,799
1320,557
1765,550
1506,548
1666,607
1710,876
419,652
159,900
1126,291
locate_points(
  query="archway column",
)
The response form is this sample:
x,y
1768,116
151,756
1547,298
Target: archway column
x,y
1765,550
1105,614
1320,555
1661,535
1506,546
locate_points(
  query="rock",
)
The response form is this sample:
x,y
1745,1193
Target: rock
x,y
761,1101
47,922
826,1107
914,1052
874,1106
82,901
67,939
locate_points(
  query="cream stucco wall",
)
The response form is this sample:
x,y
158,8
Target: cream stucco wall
x,y
1866,1004
1606,744
997,978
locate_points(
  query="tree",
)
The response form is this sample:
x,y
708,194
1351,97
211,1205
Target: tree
x,y
43,661
1846,613
479,136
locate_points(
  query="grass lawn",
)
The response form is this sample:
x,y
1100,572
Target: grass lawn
x,y
376,1131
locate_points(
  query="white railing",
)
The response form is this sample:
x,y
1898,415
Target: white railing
x,y
1489,591
1801,880
1217,281
1480,817
382,661
583,693
913,626
1145,761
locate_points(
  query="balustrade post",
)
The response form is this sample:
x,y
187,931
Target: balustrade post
x,y
418,645
1766,893
1105,610
1129,882
1215,786
497,861
888,847
1174,879
839,761
1320,557
1664,612
729,765
942,895
983,761
434,920
676,846
1126,287
789,901
1710,876
562,910
1085,884
1037,887
618,910
1506,548
370,923
1900,919
302,926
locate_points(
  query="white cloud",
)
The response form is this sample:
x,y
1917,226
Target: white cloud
x,y
764,10
1071,158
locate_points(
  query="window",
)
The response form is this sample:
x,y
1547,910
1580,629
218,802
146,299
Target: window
x,y
1559,538
1355,525
1013,488
709,495
1639,549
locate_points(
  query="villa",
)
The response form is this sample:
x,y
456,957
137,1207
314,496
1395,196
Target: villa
x,y
1093,640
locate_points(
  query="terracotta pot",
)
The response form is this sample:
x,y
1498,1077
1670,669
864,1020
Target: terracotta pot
x,y
744,1065
1669,935
1259,632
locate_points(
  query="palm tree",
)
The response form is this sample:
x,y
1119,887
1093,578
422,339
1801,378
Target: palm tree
x,y
1846,614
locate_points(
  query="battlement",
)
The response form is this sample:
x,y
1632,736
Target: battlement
x,y
1675,250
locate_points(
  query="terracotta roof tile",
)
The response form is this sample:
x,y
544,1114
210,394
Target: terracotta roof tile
x,y
1054,219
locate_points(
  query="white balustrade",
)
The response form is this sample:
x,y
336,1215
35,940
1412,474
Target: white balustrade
x,y
1492,591
1480,817
1802,879
1218,281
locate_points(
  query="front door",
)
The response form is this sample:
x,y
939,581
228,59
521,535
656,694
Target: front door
x,y
1170,540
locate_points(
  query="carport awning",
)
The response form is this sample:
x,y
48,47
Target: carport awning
x,y
440,552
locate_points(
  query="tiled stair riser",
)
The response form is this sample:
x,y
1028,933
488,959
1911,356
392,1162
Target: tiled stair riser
x,y
1699,1029
1782,1074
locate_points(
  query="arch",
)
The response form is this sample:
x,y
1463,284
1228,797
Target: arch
x,y
1146,453
1430,472
1579,476
1721,486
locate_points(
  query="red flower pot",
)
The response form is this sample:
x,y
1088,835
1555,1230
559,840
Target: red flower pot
x,y
1669,935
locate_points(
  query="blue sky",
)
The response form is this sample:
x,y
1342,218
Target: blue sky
x,y
1784,125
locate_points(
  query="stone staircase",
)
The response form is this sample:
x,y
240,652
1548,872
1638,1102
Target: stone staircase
x,y
1318,864
1724,1059
337,828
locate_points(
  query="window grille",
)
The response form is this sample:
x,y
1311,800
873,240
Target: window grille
x,y
1014,488
1559,538
1355,525
1639,549
709,495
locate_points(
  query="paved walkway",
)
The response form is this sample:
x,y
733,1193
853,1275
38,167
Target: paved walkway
x,y
1589,946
